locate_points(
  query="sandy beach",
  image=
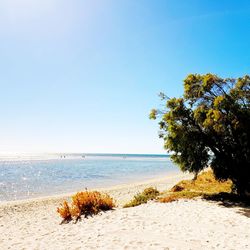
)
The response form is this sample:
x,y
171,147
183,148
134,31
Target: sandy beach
x,y
192,224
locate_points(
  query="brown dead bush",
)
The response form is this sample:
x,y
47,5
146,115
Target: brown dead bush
x,y
84,204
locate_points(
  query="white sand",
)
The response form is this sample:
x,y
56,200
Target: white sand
x,y
193,224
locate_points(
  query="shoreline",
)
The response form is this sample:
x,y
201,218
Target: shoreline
x,y
117,190
23,181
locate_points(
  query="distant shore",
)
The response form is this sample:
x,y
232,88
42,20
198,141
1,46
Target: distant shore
x,y
35,224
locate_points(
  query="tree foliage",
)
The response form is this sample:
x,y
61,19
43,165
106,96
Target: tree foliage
x,y
210,126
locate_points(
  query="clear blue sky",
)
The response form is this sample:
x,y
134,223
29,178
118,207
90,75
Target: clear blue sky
x,y
82,76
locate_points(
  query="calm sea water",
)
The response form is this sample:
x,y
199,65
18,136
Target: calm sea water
x,y
33,176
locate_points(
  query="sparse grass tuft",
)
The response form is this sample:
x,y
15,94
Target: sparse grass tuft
x,y
85,203
205,184
141,198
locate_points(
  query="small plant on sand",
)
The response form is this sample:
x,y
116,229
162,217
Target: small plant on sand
x,y
204,184
64,211
140,198
85,203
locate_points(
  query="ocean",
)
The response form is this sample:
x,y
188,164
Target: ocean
x,y
23,177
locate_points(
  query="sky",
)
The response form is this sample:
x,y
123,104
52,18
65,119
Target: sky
x,y
83,75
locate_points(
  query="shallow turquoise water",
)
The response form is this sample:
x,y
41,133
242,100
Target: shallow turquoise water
x,y
48,175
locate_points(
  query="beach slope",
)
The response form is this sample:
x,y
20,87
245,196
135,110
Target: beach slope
x,y
193,224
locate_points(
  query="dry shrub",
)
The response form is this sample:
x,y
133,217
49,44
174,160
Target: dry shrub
x,y
85,203
151,192
179,195
204,184
177,188
141,198
64,211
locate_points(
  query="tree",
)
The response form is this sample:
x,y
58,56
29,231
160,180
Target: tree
x,y
210,126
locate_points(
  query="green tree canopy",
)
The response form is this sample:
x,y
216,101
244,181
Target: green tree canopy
x,y
210,126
